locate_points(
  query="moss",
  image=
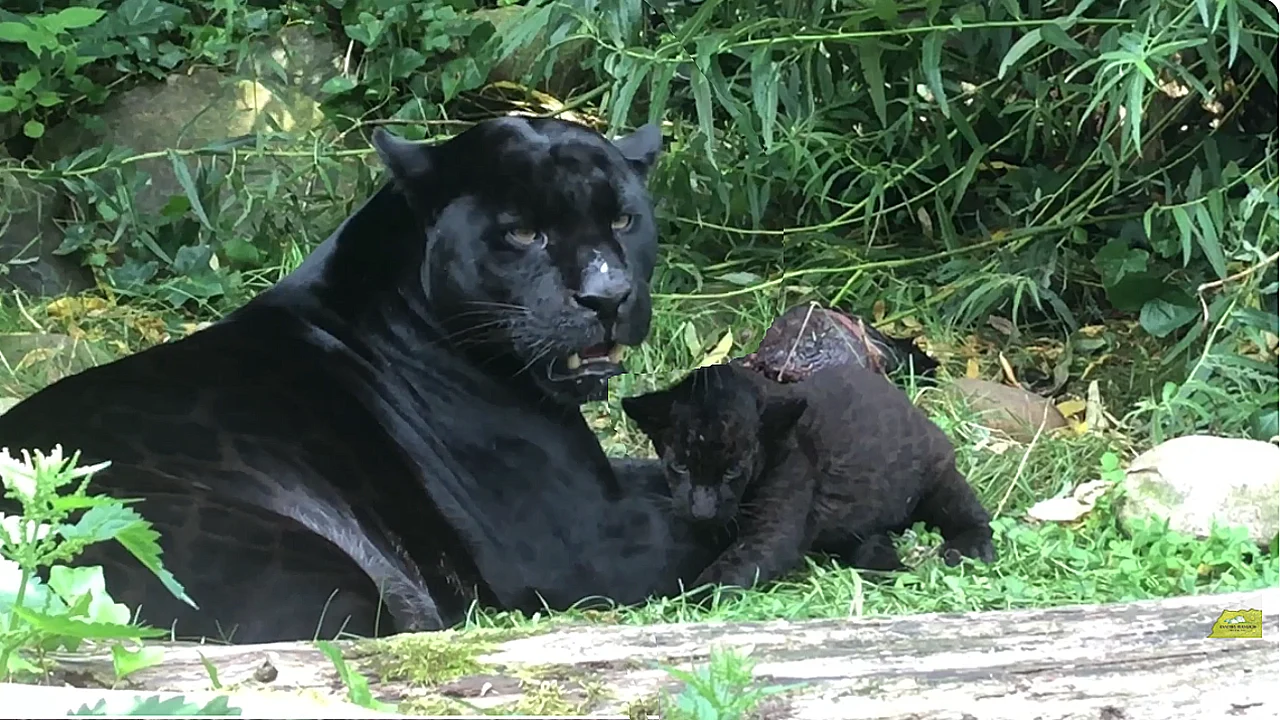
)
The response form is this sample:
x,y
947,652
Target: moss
x,y
427,659
647,706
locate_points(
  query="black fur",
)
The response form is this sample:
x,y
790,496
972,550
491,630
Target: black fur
x,y
833,463
398,416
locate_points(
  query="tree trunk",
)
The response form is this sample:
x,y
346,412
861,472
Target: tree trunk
x,y
1149,660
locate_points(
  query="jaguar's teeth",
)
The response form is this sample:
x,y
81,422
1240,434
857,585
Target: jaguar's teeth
x,y
574,362
615,354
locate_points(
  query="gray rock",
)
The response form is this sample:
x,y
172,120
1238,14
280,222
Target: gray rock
x,y
275,92
1197,479
29,236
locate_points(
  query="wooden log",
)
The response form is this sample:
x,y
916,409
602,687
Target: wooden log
x,y
1149,660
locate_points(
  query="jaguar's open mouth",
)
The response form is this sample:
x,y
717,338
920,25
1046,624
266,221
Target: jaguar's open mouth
x,y
603,360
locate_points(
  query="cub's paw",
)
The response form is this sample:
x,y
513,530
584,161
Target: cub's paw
x,y
876,554
975,544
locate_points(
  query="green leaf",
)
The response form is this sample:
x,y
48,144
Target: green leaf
x,y
337,84
1017,50
405,61
183,173
966,176
1116,260
1133,110
702,103
660,90
140,539
1160,316
357,684
692,342
33,129
143,17
17,32
7,103
27,80
620,103
211,670
67,627
1053,34
1209,243
869,54
931,63
764,93
74,17
126,662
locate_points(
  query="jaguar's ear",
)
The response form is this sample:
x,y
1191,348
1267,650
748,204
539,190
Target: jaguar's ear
x,y
641,148
409,162
650,412
780,414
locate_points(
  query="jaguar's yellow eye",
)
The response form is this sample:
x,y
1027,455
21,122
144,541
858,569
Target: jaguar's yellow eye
x,y
622,222
525,237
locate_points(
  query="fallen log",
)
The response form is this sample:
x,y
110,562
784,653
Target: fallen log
x,y
1149,660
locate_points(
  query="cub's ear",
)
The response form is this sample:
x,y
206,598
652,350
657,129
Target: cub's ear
x,y
781,414
641,148
651,412
408,161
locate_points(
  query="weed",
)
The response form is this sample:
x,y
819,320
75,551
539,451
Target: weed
x,y
722,689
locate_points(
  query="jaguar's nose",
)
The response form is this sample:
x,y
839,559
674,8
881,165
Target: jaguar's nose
x,y
604,287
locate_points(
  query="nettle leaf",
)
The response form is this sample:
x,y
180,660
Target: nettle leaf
x,y
67,627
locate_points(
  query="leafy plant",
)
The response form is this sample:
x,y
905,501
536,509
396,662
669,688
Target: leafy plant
x,y
156,706
720,690
356,683
72,607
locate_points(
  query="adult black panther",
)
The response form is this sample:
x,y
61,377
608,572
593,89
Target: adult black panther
x,y
399,417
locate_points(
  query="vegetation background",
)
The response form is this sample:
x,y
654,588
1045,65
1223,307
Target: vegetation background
x,y
1080,192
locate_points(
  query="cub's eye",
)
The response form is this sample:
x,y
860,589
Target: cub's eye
x,y
526,238
678,468
622,222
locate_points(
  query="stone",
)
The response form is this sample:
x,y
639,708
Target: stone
x,y
1014,411
1195,480
278,93
29,236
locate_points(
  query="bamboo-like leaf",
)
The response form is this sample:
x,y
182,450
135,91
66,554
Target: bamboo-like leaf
x,y
699,20
1017,50
966,176
620,104
183,173
931,64
1186,232
1133,110
1210,245
660,90
869,54
701,88
1233,32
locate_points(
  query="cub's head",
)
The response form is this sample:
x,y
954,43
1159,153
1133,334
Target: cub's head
x,y
712,431
541,245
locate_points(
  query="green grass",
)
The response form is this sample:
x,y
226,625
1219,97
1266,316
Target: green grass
x,y
1091,561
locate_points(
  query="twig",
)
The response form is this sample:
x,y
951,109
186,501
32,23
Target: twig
x,y
1204,306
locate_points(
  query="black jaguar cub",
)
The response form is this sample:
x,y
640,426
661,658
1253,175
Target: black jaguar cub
x,y
833,463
